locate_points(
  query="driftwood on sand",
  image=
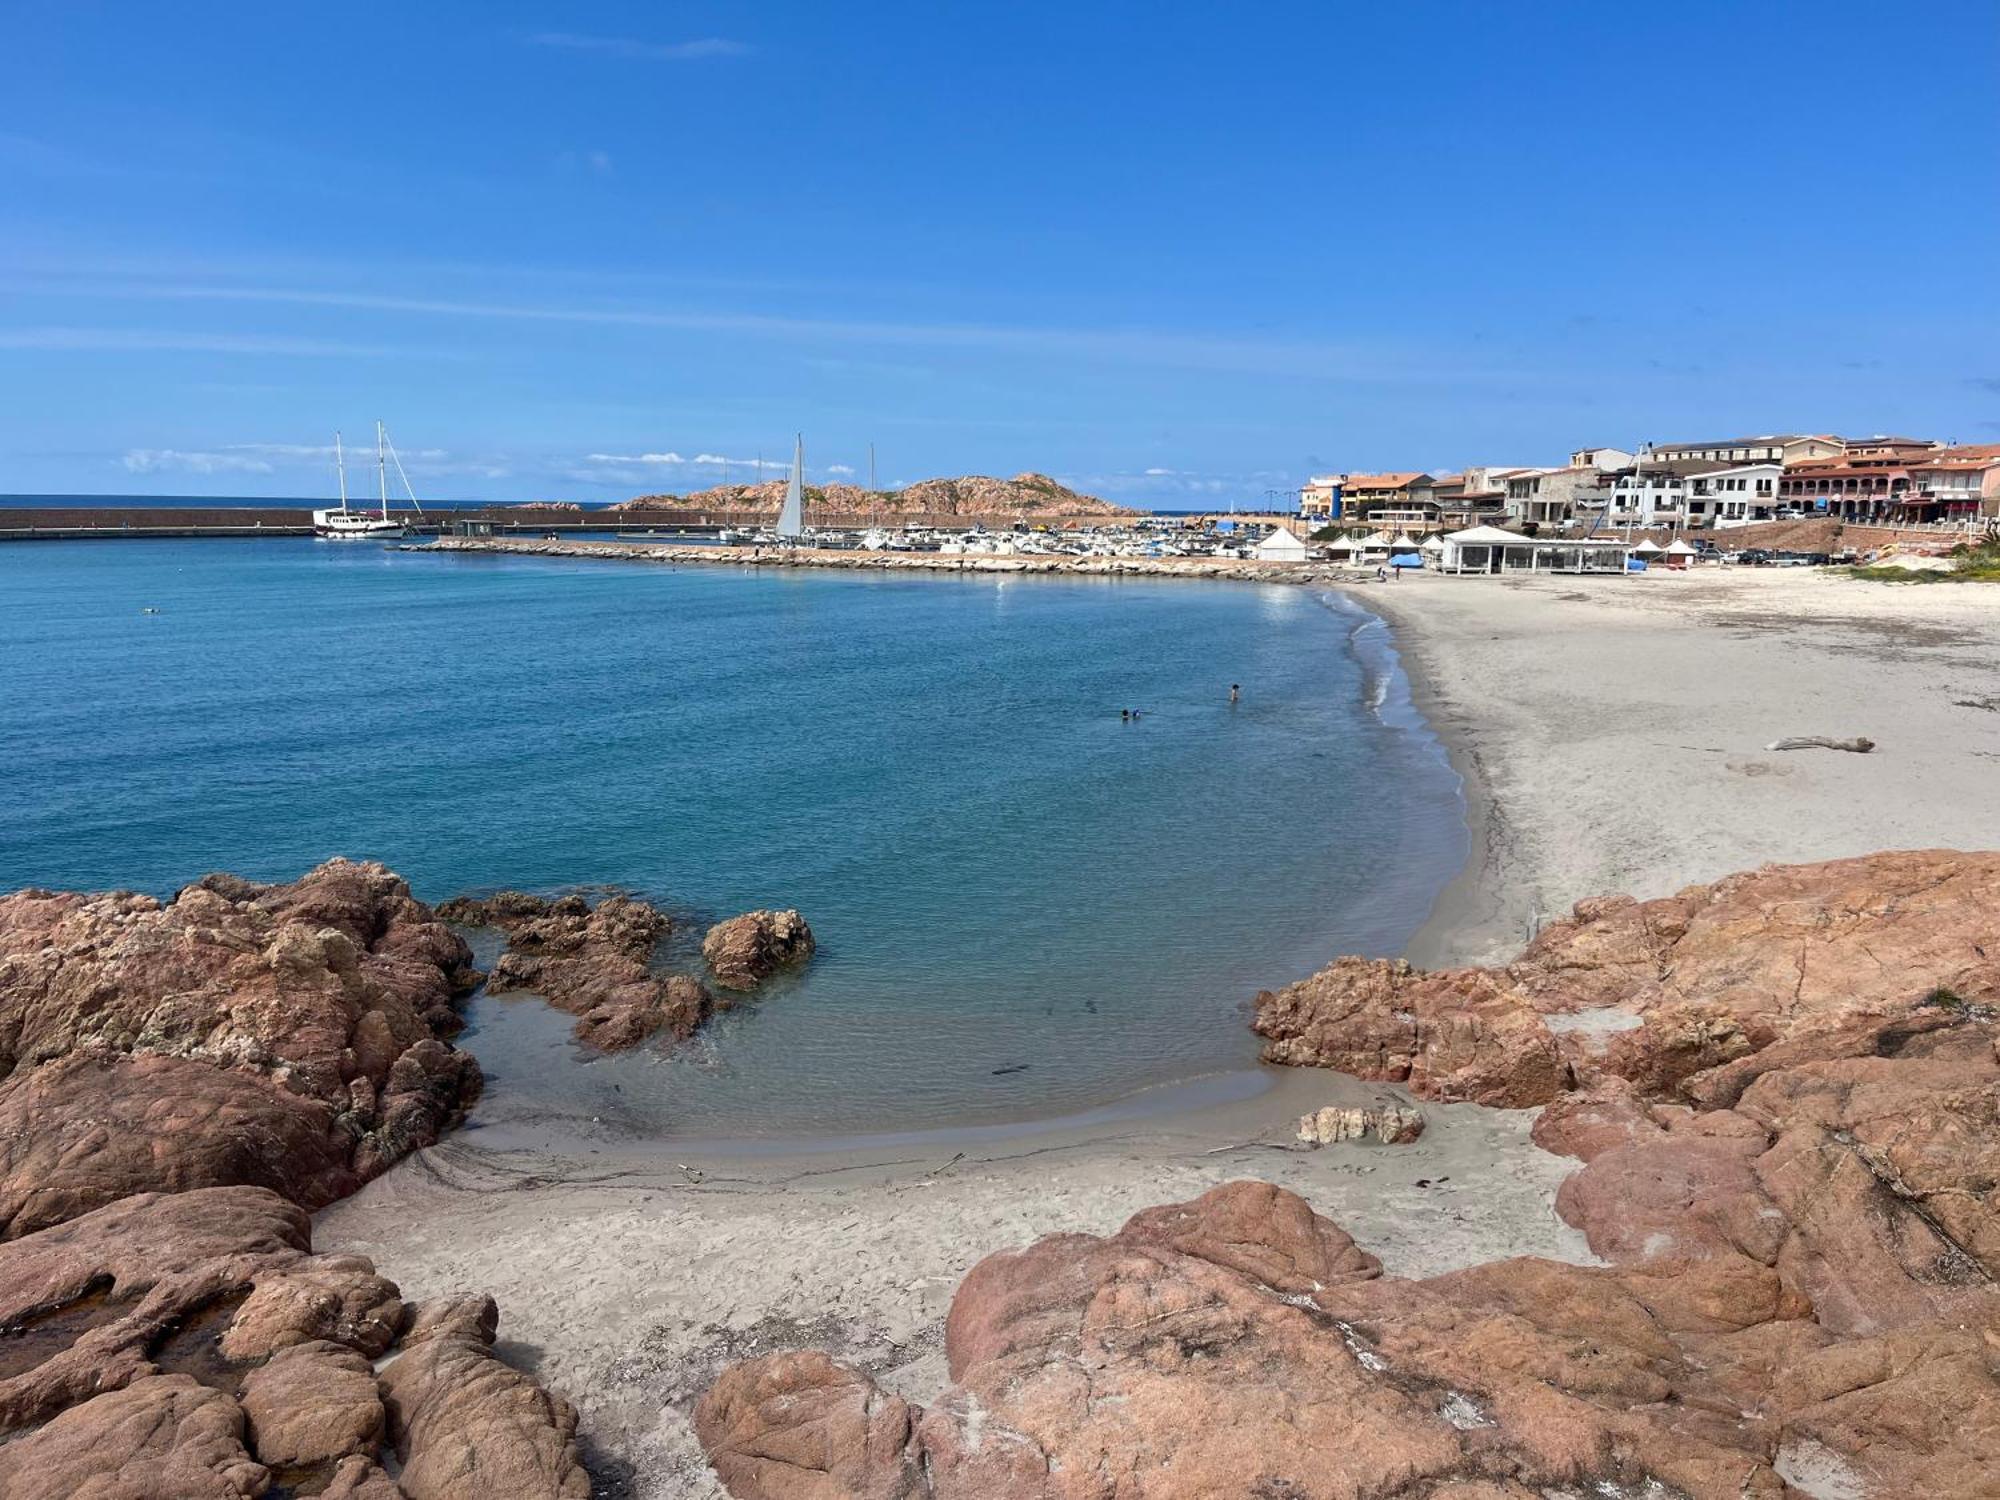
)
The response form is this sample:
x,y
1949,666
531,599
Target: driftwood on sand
x,y
1860,745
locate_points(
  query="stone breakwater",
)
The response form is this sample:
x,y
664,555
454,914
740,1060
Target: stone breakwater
x,y
1784,1093
1235,570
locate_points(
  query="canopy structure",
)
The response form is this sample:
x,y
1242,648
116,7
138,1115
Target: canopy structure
x,y
1404,542
1281,546
1490,550
1647,547
1432,544
1679,548
1347,544
1487,536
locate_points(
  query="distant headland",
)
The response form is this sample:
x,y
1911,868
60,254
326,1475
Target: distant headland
x,y
968,495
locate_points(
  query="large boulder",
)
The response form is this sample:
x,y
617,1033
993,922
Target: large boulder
x,y
166,1437
468,1426
745,951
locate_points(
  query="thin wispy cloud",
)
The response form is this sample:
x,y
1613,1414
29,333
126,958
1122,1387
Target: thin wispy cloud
x,y
184,461
629,47
147,340
671,460
1374,365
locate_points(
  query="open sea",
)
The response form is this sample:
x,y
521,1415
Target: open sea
x,y
1026,907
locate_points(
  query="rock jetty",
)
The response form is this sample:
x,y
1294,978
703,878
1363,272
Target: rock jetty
x,y
1785,1091
1238,570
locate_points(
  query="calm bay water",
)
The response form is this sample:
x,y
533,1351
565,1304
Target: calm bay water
x,y
1026,906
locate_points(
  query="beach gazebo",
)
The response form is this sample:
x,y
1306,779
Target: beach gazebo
x,y
1347,548
1647,548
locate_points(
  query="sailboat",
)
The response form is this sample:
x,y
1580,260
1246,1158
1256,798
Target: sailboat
x,y
349,524
792,518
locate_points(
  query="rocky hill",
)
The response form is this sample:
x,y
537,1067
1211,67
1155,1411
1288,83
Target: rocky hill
x,y
968,495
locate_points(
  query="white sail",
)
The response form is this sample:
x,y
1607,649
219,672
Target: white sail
x,y
792,519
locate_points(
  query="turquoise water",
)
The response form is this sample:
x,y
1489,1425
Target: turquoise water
x,y
1026,906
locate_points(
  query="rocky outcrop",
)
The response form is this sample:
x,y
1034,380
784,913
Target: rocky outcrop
x,y
969,495
745,951
182,1344
289,1035
179,1083
1680,995
1791,1172
594,962
1263,1359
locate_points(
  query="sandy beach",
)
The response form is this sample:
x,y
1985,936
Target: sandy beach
x,y
1612,734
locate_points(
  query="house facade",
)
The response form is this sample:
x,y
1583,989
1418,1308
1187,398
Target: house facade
x,y
1402,501
1319,498
1546,498
1733,496
1609,460
1654,492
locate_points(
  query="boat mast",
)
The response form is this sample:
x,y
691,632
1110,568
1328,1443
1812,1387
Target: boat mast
x,y
340,467
382,470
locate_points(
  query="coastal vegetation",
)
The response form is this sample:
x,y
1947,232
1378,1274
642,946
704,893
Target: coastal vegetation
x,y
1970,562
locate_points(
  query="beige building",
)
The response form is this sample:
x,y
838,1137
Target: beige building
x,y
1320,497
1777,448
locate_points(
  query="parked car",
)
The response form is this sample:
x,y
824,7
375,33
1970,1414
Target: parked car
x,y
1754,557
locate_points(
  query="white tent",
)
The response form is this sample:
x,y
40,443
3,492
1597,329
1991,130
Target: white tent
x,y
1679,548
1281,546
1432,543
1647,547
1347,544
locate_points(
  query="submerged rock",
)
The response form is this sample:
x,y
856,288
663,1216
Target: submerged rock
x,y
745,951
593,962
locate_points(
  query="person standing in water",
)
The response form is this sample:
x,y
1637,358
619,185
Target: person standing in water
x,y
1235,692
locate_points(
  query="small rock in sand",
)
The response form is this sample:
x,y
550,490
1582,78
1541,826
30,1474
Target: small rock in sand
x,y
1392,1125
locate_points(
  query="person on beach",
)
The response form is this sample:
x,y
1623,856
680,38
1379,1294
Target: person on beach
x,y
1381,574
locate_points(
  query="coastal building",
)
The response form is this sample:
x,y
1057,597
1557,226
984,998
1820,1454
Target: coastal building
x,y
1776,448
1733,496
1401,501
1478,495
1546,498
1962,482
1609,460
1319,498
1654,491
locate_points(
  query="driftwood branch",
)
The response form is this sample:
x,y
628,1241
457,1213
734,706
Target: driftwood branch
x,y
1859,745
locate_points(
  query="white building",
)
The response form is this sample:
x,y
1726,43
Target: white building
x,y
1604,460
1655,491
1730,497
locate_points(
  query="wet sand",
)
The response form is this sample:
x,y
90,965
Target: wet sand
x,y
1611,733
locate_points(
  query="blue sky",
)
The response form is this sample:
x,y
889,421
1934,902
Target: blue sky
x,y
1176,254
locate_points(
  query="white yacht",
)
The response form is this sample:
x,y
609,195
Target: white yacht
x,y
349,524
